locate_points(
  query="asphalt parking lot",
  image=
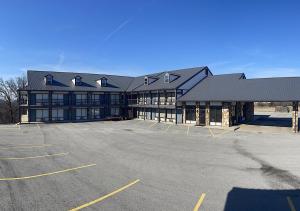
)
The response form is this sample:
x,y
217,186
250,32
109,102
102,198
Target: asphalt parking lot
x,y
143,165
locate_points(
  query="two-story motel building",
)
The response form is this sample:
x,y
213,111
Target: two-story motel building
x,y
185,96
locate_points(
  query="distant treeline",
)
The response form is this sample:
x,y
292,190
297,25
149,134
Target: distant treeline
x,y
9,99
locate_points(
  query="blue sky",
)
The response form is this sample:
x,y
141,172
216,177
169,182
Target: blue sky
x,y
134,37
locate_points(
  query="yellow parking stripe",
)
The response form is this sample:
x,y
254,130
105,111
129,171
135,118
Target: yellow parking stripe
x,y
46,174
41,156
105,197
200,201
188,130
291,204
23,147
168,128
153,124
212,134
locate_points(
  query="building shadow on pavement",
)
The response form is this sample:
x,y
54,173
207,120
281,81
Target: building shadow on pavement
x,y
267,120
242,199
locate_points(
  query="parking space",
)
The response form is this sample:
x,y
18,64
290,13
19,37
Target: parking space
x,y
144,165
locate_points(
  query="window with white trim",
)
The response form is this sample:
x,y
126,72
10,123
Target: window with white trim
x,y
57,114
81,113
42,115
115,111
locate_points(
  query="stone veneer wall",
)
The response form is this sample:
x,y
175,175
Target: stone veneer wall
x,y
226,115
197,113
207,114
295,116
249,109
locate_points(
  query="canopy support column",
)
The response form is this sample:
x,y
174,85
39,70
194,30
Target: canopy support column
x,y
295,121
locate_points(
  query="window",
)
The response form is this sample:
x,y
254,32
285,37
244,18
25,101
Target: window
x,y
23,111
48,79
77,80
115,111
81,99
23,99
57,114
96,113
167,78
81,113
42,99
42,115
96,99
102,82
57,99
115,99
146,81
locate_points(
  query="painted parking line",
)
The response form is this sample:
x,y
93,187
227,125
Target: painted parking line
x,y
212,134
153,124
291,204
168,128
188,130
34,157
46,174
105,196
26,146
223,133
199,202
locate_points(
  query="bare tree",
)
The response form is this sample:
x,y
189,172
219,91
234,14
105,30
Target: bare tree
x,y
9,93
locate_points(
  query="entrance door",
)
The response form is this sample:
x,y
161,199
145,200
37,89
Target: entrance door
x,y
215,115
202,116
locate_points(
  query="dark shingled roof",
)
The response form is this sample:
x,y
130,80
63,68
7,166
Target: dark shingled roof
x,y
233,88
62,81
182,76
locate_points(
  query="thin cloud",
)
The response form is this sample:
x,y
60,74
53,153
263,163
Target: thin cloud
x,y
117,29
274,72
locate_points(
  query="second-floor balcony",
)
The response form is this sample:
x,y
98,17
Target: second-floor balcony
x,y
41,102
23,101
58,102
96,102
114,101
81,102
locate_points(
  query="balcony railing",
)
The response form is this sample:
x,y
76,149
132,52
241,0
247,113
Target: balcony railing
x,y
114,102
42,119
81,117
57,118
57,102
41,102
81,102
23,101
95,102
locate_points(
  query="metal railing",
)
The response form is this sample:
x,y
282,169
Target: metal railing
x,y
57,119
81,102
42,102
57,102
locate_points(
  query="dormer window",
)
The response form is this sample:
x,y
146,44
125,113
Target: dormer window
x,y
146,80
102,82
167,78
48,79
77,80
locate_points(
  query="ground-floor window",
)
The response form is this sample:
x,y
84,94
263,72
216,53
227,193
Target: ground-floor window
x,y
202,113
190,112
58,114
42,115
81,113
96,113
148,113
215,115
140,113
115,111
155,114
162,115
171,115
